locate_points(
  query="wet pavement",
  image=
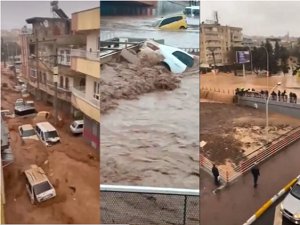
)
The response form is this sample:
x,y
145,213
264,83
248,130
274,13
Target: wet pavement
x,y
153,141
235,204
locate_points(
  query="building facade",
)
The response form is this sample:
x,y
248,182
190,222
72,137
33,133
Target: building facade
x,y
217,41
72,46
86,61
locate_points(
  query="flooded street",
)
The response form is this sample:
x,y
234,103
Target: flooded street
x,y
153,141
142,28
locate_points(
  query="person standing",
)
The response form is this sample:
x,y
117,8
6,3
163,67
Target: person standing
x,y
216,174
255,172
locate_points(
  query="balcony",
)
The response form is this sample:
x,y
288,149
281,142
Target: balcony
x,y
85,103
86,54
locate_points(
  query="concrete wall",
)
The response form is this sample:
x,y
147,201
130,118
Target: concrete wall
x,y
285,108
92,41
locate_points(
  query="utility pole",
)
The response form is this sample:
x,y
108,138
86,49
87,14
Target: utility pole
x,y
55,79
37,66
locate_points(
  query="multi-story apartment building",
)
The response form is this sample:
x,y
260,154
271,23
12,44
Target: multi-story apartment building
x,y
71,45
218,40
86,61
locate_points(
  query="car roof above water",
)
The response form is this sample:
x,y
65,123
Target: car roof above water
x,y
35,175
46,126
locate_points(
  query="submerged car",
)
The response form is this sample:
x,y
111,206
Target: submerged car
x,y
174,59
38,185
47,133
172,23
290,207
77,127
26,131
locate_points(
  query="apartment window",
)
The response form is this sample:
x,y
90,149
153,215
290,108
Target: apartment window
x,y
33,73
96,90
61,82
44,78
67,83
68,58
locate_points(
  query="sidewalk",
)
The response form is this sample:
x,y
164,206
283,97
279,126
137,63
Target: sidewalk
x,y
234,204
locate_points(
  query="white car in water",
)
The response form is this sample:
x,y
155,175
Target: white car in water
x,y
26,131
174,59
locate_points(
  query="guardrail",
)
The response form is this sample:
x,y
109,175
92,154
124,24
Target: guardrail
x,y
149,205
260,155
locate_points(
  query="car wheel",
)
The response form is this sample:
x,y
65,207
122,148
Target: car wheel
x,y
166,66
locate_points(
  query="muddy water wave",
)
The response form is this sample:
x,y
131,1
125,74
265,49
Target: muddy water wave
x,y
153,141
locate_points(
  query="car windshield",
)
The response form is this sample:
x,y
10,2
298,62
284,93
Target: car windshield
x,y
184,58
157,22
296,191
28,133
41,187
51,134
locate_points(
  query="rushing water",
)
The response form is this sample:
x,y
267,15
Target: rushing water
x,y
154,141
141,28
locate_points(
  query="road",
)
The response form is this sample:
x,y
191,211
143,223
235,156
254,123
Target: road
x,y
235,204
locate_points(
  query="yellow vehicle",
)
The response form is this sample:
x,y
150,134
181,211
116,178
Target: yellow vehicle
x,y
172,23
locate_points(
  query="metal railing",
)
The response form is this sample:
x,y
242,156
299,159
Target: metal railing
x,y
259,155
86,54
149,205
80,92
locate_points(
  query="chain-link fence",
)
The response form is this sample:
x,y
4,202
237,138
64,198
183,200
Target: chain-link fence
x,y
147,205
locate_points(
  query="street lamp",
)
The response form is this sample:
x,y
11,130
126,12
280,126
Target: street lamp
x,y
267,110
267,65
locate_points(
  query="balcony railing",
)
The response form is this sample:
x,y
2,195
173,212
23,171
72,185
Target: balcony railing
x,y
149,205
80,92
85,54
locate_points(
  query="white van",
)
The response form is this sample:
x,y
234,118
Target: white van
x,y
47,133
38,185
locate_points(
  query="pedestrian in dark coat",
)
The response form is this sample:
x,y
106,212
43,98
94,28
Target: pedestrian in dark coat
x,y
216,174
255,173
279,95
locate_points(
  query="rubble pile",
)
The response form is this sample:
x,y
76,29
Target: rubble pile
x,y
124,80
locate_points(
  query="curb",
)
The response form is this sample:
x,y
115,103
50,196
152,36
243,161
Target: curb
x,y
267,205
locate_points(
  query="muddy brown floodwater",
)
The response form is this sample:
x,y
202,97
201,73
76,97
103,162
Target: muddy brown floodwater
x,y
70,165
153,141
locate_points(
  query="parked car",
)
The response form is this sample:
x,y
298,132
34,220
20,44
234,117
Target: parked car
x,y
77,127
38,186
47,133
171,23
290,207
26,131
6,113
175,59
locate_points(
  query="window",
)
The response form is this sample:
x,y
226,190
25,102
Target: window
x,y
33,73
45,78
61,81
67,83
68,58
184,58
96,90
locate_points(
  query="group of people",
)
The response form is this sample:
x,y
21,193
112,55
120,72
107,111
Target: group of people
x,y
279,96
254,170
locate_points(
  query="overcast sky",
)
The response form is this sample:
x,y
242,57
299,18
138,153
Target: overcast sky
x,y
262,18
14,13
